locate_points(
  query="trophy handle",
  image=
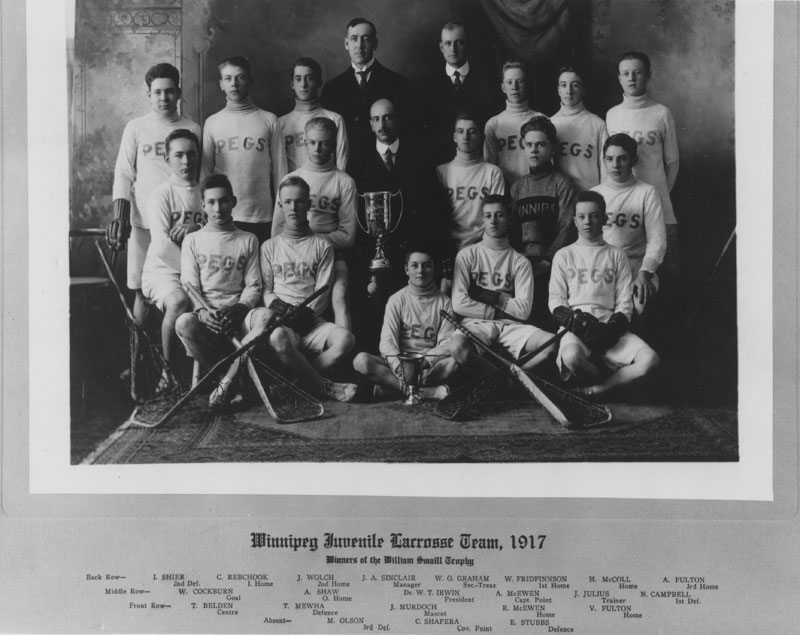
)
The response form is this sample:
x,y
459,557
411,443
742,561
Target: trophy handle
x,y
400,216
364,228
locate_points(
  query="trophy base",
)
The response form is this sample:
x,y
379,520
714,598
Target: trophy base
x,y
377,264
412,398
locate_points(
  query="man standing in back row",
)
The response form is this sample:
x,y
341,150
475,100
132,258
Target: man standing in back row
x,y
353,92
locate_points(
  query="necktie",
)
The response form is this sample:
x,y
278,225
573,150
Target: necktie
x,y
362,79
457,80
388,160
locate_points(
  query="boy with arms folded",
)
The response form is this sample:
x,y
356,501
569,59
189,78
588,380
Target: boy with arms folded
x,y
245,143
590,295
140,168
493,290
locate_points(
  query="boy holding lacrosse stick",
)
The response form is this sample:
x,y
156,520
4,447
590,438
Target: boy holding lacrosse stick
x,y
293,265
221,262
590,296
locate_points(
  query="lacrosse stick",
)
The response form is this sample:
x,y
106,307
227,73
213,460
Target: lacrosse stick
x,y
484,387
147,362
542,396
155,414
283,411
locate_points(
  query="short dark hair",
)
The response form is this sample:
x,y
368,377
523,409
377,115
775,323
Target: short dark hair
x,y
568,69
323,123
236,60
590,196
624,141
357,21
540,123
310,63
633,55
162,71
181,133
420,247
465,115
295,181
497,198
216,180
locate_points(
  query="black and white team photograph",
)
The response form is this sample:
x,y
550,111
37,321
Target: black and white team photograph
x,y
466,231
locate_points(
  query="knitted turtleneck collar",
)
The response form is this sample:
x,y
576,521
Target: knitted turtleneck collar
x,y
306,106
464,159
640,101
300,232
428,290
227,227
569,111
246,105
495,243
326,167
518,108
171,117
616,185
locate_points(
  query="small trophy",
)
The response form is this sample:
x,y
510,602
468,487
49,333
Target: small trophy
x,y
411,368
378,217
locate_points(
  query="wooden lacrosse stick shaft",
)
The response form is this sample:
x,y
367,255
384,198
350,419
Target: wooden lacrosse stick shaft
x,y
527,383
234,355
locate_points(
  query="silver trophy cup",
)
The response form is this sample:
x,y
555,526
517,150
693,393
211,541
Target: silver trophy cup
x,y
379,222
411,370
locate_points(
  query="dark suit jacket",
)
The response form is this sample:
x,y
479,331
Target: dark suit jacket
x,y
342,94
479,94
424,208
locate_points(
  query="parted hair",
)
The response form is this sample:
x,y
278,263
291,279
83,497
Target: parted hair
x,y
310,63
513,63
162,71
624,141
181,133
295,181
236,60
466,115
323,123
497,198
216,180
633,55
357,21
591,197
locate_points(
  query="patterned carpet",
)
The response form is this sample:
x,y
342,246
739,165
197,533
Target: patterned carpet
x,y
511,430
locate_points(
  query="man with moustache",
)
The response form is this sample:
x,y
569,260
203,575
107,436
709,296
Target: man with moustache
x,y
353,92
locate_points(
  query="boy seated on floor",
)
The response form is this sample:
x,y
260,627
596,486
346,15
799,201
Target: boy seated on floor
x,y
590,295
221,262
294,264
412,323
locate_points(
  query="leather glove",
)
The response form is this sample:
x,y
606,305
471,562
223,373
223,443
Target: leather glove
x,y
119,230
